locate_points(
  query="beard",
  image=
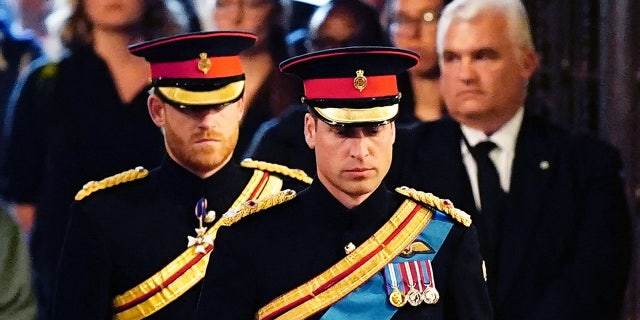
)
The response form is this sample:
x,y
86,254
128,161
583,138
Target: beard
x,y
201,158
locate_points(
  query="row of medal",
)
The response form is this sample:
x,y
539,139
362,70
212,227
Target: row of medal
x,y
410,282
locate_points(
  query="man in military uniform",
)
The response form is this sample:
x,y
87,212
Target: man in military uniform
x,y
140,247
347,246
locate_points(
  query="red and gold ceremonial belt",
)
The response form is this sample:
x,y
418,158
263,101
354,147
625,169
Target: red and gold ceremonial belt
x,y
189,268
353,270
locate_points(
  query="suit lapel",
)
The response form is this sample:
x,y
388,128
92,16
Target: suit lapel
x,y
445,173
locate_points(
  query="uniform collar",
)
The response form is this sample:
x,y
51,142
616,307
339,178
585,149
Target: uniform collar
x,y
220,189
358,223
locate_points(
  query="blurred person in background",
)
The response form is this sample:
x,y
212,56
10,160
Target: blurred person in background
x,y
81,119
16,295
412,25
296,19
31,16
18,48
268,92
549,205
338,23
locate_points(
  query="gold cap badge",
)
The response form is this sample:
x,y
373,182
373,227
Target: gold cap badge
x,y
360,81
204,64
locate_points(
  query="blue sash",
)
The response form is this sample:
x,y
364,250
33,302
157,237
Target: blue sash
x,y
369,301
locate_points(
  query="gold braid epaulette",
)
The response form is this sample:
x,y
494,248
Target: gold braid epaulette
x,y
252,206
126,176
443,205
277,168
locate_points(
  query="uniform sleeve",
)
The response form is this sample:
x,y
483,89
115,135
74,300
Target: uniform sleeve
x,y
82,289
470,298
229,288
25,136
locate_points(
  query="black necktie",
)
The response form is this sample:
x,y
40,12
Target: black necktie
x,y
491,202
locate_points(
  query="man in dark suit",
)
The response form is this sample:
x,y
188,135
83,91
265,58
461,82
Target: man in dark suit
x,y
555,236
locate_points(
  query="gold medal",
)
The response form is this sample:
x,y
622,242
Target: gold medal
x,y
414,297
397,298
430,295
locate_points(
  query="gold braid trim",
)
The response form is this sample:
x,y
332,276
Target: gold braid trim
x,y
277,168
122,177
353,270
444,205
252,206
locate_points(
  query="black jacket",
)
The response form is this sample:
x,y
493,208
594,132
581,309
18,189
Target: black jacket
x,y
565,245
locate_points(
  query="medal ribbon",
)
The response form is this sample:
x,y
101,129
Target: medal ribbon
x,y
369,300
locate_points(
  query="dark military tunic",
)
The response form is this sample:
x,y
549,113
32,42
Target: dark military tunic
x,y
120,236
276,250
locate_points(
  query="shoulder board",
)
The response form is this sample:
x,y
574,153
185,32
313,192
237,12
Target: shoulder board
x,y
277,168
122,177
443,205
252,206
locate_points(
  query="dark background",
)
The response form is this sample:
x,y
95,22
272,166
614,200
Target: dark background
x,y
589,81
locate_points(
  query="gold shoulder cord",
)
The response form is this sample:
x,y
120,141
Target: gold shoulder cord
x,y
122,177
443,205
252,206
277,168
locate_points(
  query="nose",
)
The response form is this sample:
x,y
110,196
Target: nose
x,y
415,30
466,72
237,13
359,147
207,118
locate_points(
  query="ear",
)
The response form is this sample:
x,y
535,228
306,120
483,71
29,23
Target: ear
x,y
393,128
310,130
156,110
241,108
529,61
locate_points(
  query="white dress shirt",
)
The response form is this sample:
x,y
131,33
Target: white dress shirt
x,y
502,156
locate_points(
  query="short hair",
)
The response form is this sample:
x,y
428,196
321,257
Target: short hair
x,y
369,31
465,10
157,21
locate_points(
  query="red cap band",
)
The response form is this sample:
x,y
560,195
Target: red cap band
x,y
221,67
344,88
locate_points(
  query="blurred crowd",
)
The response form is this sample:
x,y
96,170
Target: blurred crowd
x,y
73,101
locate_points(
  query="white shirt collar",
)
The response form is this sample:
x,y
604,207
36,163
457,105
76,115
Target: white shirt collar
x,y
504,138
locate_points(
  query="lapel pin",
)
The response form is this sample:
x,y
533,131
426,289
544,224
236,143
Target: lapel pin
x,y
544,165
